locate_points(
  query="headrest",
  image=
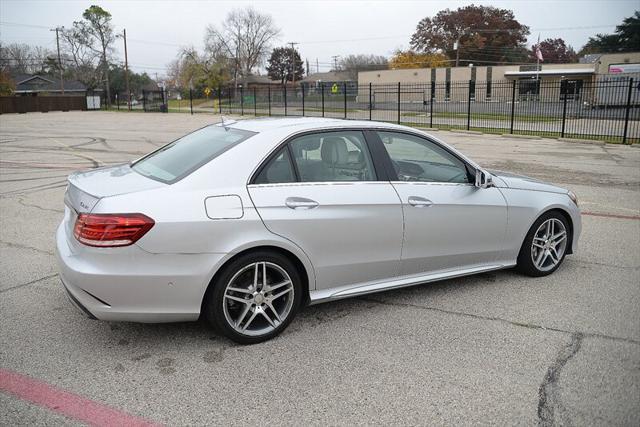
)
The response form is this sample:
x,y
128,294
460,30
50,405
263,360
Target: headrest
x,y
309,144
334,151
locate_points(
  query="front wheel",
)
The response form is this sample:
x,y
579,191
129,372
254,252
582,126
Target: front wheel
x,y
545,246
255,297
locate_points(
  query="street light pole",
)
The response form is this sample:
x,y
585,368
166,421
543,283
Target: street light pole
x,y
57,29
126,67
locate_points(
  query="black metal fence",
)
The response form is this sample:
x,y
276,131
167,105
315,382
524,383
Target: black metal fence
x,y
607,109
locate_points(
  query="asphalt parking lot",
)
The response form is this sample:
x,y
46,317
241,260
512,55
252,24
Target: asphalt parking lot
x,y
497,348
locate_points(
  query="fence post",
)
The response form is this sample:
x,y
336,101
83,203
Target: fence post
x,y
344,89
564,108
469,107
219,99
269,99
284,88
626,113
432,95
241,101
302,87
144,100
398,102
513,104
191,100
322,90
230,101
255,103
370,101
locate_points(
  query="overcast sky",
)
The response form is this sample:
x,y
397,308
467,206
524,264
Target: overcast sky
x,y
156,29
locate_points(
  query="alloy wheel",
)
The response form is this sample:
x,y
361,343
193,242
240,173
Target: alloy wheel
x,y
258,298
549,244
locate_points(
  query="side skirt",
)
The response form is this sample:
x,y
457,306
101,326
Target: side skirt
x,y
325,295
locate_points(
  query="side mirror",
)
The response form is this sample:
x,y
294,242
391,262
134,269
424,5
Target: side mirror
x,y
483,179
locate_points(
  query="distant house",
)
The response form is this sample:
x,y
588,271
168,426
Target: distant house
x,y
254,81
34,85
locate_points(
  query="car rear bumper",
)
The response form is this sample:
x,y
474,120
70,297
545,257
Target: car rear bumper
x,y
129,284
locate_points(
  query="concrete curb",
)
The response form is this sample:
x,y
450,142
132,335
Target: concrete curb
x,y
582,141
468,132
518,136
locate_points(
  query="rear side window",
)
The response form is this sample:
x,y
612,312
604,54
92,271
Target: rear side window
x,y
178,159
333,156
278,170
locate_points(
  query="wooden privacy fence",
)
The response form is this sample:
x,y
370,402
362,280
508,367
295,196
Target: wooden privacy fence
x,y
27,104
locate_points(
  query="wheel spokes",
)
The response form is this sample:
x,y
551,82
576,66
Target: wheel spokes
x,y
254,307
548,244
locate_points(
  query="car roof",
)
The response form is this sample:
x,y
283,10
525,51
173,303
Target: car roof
x,y
297,124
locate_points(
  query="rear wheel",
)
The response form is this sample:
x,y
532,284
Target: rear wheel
x,y
545,246
255,297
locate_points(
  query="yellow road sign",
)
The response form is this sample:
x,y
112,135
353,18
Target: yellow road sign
x,y
334,88
207,91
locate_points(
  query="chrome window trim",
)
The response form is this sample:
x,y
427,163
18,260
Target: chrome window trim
x,y
464,184
300,184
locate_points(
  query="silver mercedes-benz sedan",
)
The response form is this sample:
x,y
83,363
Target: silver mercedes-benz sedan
x,y
245,222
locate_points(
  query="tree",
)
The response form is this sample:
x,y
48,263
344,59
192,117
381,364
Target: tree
x,y
625,39
484,34
137,82
20,58
79,58
244,38
411,59
280,65
7,85
352,64
200,70
98,35
554,51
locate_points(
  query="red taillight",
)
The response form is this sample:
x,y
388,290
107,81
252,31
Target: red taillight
x,y
109,230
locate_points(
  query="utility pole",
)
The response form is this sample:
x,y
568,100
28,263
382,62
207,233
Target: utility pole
x,y
293,63
57,29
317,66
126,67
456,46
335,62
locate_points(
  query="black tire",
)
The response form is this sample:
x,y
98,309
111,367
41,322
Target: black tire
x,y
525,261
213,308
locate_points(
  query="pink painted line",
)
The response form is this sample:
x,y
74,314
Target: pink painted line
x,y
66,403
606,215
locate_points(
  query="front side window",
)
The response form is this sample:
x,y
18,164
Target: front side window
x,y
418,159
178,159
333,156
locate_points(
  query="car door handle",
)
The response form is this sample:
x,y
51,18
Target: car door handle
x,y
419,202
300,203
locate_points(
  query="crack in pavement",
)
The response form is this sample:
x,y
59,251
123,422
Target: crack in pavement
x,y
549,405
499,319
28,205
604,264
28,283
21,246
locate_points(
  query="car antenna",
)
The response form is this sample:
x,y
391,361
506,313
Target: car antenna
x,y
226,122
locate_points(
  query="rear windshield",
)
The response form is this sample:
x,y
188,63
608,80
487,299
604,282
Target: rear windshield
x,y
179,158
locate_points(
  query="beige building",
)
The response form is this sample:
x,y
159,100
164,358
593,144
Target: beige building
x,y
549,82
